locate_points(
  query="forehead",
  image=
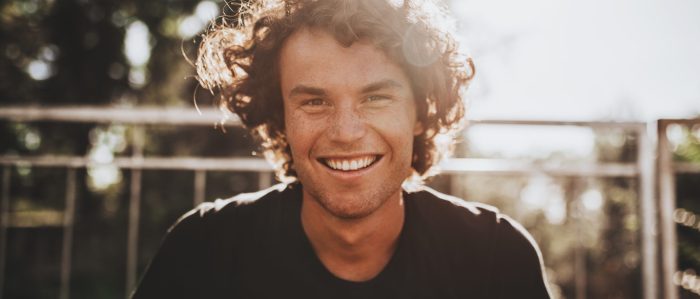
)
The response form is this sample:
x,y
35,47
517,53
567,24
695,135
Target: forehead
x,y
314,55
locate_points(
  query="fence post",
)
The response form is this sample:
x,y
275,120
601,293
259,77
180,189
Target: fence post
x,y
264,179
667,204
645,162
4,223
200,184
134,211
68,221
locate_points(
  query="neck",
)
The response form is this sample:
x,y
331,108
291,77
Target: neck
x,y
354,249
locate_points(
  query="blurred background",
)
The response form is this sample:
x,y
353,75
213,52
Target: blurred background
x,y
584,126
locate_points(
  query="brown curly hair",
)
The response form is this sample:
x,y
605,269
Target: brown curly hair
x,y
239,61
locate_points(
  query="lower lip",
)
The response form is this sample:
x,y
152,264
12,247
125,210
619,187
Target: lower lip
x,y
353,174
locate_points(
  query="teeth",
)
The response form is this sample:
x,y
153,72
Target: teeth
x,y
350,164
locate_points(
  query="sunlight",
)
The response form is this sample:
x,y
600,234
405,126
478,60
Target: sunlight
x,y
190,26
555,211
542,193
592,200
206,11
32,140
676,135
105,142
137,44
138,77
39,70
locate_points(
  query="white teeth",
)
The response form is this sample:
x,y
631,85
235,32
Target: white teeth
x,y
350,164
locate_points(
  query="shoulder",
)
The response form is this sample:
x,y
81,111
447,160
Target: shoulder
x,y
244,200
428,196
481,230
241,204
443,211
235,215
461,216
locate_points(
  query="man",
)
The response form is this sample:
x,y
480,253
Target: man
x,y
347,97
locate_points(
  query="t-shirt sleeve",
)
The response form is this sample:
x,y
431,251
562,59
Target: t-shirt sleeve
x,y
518,268
176,271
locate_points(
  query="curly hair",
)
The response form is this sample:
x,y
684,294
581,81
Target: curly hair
x,y
239,62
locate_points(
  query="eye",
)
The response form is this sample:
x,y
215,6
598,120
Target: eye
x,y
314,105
378,101
315,102
376,98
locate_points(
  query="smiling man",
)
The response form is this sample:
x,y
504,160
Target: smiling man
x,y
347,98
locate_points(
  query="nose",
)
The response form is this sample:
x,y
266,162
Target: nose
x,y
347,125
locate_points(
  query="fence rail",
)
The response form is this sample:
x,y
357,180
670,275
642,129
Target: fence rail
x,y
122,115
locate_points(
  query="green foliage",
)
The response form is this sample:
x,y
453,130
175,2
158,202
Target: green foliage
x,y
689,149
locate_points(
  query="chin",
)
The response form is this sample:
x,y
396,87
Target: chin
x,y
349,208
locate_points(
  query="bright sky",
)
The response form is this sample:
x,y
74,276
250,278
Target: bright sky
x,y
583,60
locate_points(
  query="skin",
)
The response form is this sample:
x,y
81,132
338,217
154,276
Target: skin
x,y
343,104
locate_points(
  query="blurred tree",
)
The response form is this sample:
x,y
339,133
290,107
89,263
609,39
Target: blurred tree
x,y
108,52
614,263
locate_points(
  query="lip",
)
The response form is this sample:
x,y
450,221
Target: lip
x,y
353,174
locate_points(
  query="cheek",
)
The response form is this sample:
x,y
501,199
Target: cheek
x,y
300,135
404,124
398,131
408,129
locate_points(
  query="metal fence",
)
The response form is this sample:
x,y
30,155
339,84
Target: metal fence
x,y
643,169
667,170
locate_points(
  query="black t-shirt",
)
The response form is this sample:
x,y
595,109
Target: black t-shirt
x,y
253,246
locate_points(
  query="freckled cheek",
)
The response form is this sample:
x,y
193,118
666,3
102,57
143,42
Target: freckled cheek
x,y
398,132
302,134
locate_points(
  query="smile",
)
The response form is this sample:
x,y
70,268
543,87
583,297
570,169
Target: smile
x,y
349,164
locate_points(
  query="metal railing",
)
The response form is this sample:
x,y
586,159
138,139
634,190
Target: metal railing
x,y
643,169
136,163
667,171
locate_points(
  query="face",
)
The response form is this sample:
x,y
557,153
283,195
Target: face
x,y
349,120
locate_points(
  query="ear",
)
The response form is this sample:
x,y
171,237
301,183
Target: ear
x,y
418,128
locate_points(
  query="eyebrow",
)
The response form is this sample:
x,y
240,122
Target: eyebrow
x,y
303,89
382,84
379,85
